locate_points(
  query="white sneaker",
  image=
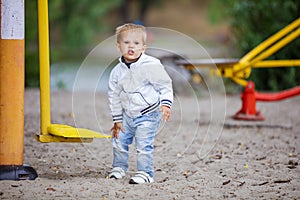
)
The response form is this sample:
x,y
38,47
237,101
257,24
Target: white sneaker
x,y
117,173
141,177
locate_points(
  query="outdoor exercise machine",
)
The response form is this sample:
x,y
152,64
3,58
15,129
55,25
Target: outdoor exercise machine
x,y
53,132
238,70
12,93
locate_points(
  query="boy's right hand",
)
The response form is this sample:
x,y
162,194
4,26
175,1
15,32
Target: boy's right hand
x,y
116,128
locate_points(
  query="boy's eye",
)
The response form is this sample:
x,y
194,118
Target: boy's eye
x,y
136,43
126,42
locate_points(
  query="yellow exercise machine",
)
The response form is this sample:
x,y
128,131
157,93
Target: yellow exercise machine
x,y
53,132
239,70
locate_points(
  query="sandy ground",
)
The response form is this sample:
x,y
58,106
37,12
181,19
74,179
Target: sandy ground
x,y
246,160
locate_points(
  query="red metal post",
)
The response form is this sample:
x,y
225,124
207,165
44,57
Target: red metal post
x,y
248,110
250,96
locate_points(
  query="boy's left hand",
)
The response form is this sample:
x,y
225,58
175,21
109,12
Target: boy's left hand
x,y
166,112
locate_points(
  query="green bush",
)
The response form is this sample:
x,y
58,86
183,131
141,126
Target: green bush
x,y
31,70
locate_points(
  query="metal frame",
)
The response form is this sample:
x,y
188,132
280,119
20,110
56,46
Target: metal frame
x,y
240,70
53,132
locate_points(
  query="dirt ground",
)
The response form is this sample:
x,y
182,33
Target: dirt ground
x,y
193,160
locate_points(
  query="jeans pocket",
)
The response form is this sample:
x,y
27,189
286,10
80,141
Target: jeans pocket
x,y
153,116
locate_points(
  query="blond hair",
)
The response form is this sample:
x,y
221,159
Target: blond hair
x,y
131,27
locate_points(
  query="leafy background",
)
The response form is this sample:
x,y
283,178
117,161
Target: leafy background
x,y
75,26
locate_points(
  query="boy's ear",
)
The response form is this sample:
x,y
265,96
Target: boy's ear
x,y
118,46
144,48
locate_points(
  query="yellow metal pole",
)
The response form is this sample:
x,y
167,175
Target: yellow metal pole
x,y
45,120
12,92
239,81
277,63
44,52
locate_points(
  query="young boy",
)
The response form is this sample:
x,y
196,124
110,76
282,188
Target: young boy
x,y
140,95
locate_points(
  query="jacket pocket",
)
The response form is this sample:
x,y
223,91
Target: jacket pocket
x,y
144,97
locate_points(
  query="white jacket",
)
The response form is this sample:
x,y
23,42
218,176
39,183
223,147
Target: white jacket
x,y
139,89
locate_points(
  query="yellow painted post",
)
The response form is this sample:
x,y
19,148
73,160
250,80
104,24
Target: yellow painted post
x,y
53,132
12,92
45,120
11,101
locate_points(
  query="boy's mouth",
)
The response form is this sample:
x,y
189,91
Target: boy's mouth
x,y
130,52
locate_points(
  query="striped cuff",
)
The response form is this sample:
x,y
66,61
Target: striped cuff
x,y
166,102
117,118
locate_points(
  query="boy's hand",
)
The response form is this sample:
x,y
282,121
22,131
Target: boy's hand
x,y
116,128
166,112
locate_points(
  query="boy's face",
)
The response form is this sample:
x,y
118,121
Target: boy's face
x,y
131,45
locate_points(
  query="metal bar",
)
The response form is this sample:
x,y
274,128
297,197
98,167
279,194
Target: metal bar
x,y
277,96
277,63
239,81
207,62
44,65
260,64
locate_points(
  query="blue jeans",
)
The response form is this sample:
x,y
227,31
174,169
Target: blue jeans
x,y
143,129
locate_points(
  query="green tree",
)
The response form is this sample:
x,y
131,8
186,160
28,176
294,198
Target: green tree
x,y
254,21
76,23
31,45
